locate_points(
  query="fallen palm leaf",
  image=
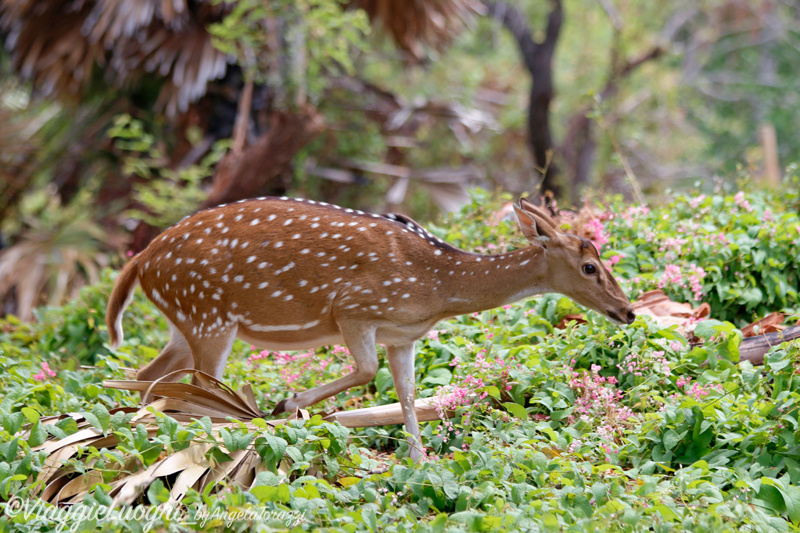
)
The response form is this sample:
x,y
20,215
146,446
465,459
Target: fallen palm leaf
x,y
193,466
769,324
666,312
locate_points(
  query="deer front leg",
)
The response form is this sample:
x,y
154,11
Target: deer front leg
x,y
401,364
361,343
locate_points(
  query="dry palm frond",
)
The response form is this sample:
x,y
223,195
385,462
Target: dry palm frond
x,y
190,467
129,39
50,264
126,39
413,23
193,466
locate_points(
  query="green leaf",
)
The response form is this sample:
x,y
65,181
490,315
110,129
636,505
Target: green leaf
x,y
439,523
492,391
438,376
38,434
157,493
8,450
671,439
102,416
12,422
516,410
383,380
31,414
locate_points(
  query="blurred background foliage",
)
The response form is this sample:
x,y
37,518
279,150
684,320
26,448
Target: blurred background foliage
x,y
119,118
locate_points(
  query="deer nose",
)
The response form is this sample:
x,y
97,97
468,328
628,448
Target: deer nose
x,y
630,317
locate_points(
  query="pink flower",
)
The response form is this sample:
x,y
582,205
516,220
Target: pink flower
x,y
600,235
741,202
44,373
696,201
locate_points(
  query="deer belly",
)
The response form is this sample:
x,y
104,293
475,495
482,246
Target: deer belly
x,y
305,336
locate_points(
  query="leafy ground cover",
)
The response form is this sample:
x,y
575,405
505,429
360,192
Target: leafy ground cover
x,y
590,427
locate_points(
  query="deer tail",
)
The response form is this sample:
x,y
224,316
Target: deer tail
x,y
121,296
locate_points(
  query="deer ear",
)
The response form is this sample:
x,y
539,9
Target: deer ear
x,y
535,229
525,204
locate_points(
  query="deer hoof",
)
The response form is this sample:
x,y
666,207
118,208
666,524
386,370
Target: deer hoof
x,y
281,407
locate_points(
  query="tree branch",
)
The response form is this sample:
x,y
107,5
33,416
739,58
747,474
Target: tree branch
x,y
517,25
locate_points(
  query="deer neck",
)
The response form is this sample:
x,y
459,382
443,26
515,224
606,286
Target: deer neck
x,y
472,282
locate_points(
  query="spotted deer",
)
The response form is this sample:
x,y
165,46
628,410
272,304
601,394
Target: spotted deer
x,y
294,274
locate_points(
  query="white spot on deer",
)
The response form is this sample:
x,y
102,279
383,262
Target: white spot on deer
x,y
275,294
237,218
263,285
191,288
302,283
437,252
285,269
278,244
313,290
215,296
296,236
255,221
387,283
288,297
412,280
238,279
287,222
225,278
271,218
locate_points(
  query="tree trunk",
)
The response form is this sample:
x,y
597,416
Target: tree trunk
x,y
538,60
254,170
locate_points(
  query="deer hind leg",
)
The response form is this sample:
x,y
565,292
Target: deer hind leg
x,y
361,344
211,353
176,355
401,364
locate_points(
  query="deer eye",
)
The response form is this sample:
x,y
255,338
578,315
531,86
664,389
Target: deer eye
x,y
589,269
